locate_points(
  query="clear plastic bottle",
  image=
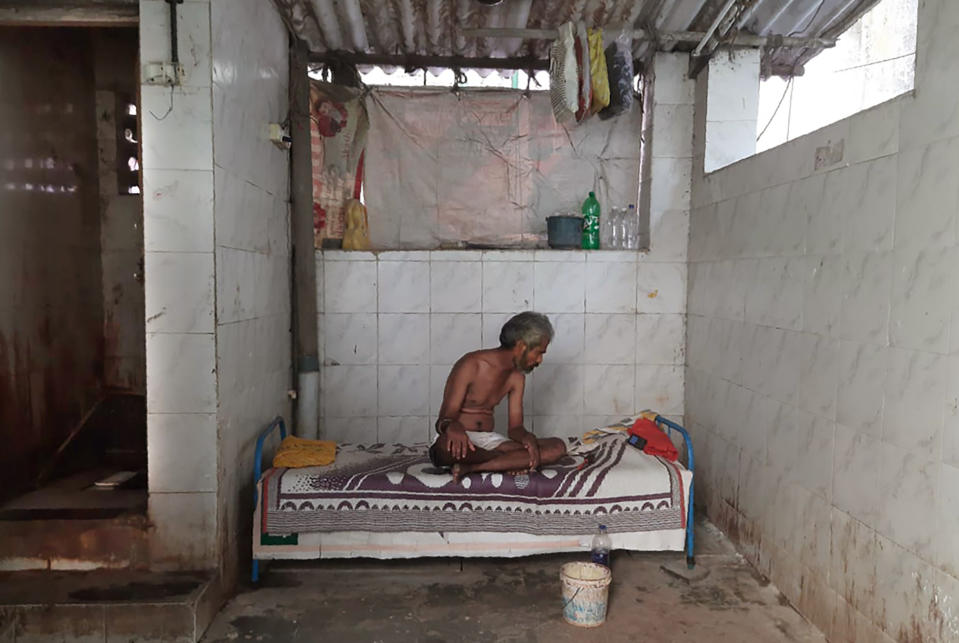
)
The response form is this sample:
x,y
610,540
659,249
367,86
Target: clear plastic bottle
x,y
601,546
622,230
632,228
606,231
615,231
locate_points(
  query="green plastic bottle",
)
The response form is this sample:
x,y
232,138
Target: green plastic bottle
x,y
591,223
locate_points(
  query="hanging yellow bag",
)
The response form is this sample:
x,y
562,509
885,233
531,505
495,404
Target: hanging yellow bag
x,y
357,234
599,79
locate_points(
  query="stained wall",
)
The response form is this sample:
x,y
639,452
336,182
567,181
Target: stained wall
x,y
821,369
51,311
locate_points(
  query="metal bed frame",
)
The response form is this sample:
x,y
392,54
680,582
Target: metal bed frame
x,y
278,423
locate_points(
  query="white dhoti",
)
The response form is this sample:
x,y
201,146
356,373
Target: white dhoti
x,y
486,440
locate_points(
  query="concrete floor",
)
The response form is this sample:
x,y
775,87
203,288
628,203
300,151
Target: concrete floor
x,y
511,600
104,605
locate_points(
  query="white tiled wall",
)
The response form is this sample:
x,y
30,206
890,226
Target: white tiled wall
x,y
251,178
179,276
393,323
823,365
732,107
668,158
217,270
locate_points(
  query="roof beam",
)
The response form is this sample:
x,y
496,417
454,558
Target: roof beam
x,y
414,61
66,13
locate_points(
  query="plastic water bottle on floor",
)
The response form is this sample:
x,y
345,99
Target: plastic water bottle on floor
x,y
601,546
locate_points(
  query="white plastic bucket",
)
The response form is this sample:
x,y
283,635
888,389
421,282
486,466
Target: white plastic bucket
x,y
585,591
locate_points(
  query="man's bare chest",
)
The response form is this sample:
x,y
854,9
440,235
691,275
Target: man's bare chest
x,y
487,391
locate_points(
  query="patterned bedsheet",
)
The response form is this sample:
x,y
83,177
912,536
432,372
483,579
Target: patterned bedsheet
x,y
388,488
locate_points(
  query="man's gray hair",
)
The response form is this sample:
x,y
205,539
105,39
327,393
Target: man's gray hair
x,y
533,329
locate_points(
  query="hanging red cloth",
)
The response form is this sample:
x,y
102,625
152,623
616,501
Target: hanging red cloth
x,y
657,442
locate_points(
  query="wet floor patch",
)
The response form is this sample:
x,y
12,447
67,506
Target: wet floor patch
x,y
264,628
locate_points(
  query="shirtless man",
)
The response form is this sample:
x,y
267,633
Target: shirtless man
x,y
465,440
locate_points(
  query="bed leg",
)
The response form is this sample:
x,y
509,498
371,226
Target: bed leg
x,y
690,464
690,530
258,473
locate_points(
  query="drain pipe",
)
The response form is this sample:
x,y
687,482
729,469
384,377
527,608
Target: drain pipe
x,y
306,361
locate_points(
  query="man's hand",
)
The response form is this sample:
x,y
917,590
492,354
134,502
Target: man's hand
x,y
532,447
457,442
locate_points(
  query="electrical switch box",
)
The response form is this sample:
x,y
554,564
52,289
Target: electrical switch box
x,y
276,133
162,73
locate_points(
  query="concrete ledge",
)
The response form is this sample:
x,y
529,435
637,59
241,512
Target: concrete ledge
x,y
107,606
74,545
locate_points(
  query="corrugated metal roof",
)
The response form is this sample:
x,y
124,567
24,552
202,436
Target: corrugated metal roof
x,y
400,28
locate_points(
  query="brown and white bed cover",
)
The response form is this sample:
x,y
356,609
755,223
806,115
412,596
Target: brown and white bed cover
x,y
393,488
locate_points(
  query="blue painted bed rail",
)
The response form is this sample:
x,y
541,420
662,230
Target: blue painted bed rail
x,y
670,425
258,471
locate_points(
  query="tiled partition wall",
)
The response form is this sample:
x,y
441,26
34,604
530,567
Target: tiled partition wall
x,y
823,359
217,271
251,212
177,135
393,323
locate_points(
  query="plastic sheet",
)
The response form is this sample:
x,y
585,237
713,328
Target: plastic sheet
x,y
486,167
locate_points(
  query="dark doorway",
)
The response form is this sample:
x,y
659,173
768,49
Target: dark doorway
x,y
72,357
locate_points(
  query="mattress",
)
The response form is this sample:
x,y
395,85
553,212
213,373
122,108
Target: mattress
x,y
393,490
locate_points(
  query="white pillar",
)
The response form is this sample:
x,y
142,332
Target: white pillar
x,y
732,106
667,161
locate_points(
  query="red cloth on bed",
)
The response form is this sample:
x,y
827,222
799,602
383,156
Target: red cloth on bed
x,y
657,442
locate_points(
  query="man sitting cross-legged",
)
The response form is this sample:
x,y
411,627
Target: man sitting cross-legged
x,y
465,441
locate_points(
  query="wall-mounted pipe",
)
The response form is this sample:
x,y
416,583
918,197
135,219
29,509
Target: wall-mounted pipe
x,y
305,343
174,40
